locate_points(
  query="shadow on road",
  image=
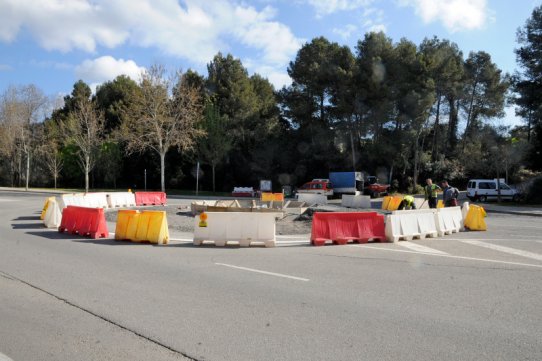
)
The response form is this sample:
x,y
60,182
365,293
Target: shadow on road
x,y
47,233
27,226
27,218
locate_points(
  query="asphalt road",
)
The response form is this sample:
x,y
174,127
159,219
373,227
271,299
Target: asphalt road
x,y
466,296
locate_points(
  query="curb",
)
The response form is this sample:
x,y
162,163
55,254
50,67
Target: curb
x,y
514,213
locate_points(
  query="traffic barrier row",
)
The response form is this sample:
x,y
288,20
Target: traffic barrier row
x,y
342,227
45,206
422,223
121,199
84,221
97,200
144,226
52,216
311,198
150,198
410,224
246,229
355,201
272,197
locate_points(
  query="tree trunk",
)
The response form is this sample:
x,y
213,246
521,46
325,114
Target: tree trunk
x,y
452,126
322,108
434,150
162,171
27,169
54,177
353,151
469,116
213,166
87,171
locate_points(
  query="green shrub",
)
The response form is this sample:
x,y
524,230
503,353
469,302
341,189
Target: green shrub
x,y
534,194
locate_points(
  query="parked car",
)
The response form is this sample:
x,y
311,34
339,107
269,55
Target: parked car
x,y
317,186
375,189
484,190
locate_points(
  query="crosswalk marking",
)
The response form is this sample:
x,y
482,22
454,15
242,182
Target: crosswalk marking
x,y
419,248
504,249
449,256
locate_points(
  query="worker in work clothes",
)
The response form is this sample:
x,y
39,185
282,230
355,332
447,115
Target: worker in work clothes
x,y
449,194
431,193
407,203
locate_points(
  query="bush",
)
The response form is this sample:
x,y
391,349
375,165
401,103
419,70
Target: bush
x,y
534,194
416,189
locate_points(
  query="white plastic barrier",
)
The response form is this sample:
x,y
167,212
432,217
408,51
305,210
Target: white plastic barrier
x,y
242,227
52,215
121,199
311,198
96,200
451,219
74,199
409,224
355,201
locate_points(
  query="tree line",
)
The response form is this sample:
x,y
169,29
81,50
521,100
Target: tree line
x,y
398,110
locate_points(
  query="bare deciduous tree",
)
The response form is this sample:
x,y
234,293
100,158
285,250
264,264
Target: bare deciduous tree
x,y
22,108
162,114
84,128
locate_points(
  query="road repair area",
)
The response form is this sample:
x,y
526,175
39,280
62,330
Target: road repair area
x,y
468,295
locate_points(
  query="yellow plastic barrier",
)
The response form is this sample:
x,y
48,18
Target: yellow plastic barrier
x,y
394,203
386,202
440,204
45,206
136,226
270,197
475,218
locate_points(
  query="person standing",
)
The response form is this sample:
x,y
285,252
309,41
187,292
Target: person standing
x,y
449,194
431,193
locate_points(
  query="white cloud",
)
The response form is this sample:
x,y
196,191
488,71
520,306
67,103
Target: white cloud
x,y
455,15
373,20
190,29
326,7
5,67
345,32
105,68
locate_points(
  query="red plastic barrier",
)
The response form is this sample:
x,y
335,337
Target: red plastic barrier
x,y
150,198
341,227
84,221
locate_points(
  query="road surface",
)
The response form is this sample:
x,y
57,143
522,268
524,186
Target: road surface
x,y
466,296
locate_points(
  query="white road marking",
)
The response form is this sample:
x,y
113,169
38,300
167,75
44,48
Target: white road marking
x,y
419,248
186,240
504,249
264,272
294,236
449,256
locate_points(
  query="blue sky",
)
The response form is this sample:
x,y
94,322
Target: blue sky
x,y
53,43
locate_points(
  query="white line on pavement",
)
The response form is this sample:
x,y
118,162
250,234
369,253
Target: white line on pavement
x,y
449,256
419,247
263,272
509,250
294,236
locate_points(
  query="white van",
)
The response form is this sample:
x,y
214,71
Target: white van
x,y
486,189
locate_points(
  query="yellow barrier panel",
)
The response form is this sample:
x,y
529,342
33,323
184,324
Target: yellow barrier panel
x,y
270,197
386,202
475,218
45,206
394,203
440,204
150,226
